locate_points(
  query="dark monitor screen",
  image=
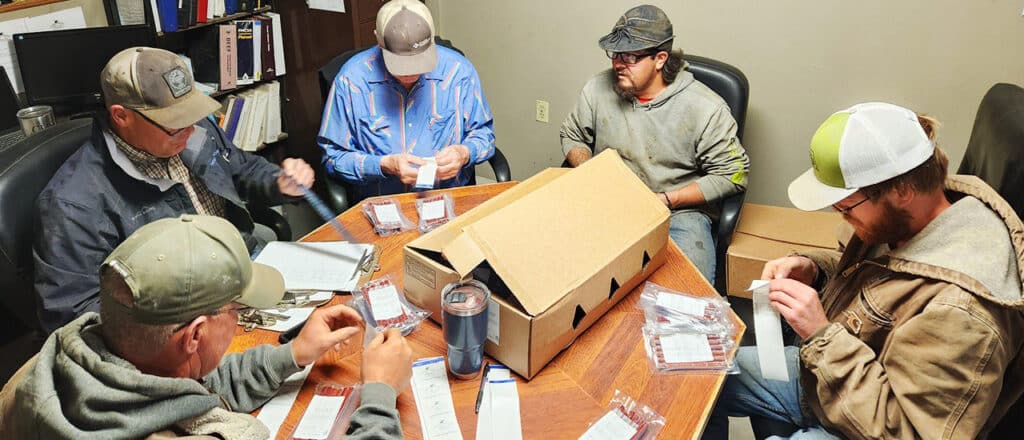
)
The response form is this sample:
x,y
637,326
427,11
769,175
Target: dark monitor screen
x,y
62,68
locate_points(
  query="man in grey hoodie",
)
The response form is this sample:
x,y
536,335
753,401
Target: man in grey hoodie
x,y
152,362
675,133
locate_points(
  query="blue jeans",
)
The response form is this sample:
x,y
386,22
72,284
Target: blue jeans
x,y
748,394
691,231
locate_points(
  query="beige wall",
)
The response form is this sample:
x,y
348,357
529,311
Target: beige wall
x,y
804,60
92,9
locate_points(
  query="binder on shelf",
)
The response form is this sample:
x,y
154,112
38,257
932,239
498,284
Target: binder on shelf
x,y
253,118
243,35
202,7
279,68
273,123
267,48
230,7
257,51
228,57
231,126
168,14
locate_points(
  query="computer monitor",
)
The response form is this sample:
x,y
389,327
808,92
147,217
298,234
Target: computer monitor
x,y
62,68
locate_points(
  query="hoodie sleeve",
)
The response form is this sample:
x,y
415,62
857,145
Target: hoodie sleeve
x,y
578,128
376,418
721,158
246,380
933,382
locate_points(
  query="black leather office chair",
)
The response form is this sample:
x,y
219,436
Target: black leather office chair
x,y
25,169
341,196
995,151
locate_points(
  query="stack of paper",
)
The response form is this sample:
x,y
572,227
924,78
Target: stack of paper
x,y
329,265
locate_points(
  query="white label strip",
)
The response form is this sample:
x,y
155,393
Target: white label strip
x,y
613,426
682,347
682,304
433,396
386,213
426,175
433,210
504,408
768,332
384,303
493,326
276,410
319,418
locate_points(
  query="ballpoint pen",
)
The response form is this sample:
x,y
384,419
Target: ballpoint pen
x,y
324,212
480,392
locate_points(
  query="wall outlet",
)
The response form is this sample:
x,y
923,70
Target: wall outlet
x,y
542,111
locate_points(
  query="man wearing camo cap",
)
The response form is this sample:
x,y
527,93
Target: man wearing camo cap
x,y
675,133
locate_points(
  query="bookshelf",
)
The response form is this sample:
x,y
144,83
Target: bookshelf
x,y
186,38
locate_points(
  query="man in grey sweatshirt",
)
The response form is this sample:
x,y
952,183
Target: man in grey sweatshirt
x,y
152,362
675,133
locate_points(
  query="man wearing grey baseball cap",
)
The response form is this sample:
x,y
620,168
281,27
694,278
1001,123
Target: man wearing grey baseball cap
x,y
153,154
152,361
396,105
675,133
914,329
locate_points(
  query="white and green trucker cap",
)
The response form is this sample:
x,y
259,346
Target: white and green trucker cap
x,y
863,145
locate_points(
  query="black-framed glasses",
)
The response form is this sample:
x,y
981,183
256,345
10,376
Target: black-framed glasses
x,y
170,133
628,57
846,210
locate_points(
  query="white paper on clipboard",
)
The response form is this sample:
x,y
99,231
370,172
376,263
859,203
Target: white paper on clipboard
x,y
327,5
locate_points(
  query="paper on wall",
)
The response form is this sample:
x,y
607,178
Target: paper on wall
x,y
327,5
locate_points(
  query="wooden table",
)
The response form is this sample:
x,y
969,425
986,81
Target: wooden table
x,y
567,394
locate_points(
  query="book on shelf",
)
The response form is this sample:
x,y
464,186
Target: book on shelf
x,y
257,51
252,118
267,48
278,42
228,57
243,29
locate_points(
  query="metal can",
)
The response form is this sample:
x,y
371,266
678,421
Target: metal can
x,y
464,322
36,118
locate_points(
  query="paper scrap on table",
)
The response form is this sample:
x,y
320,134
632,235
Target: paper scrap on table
x,y
433,396
427,174
276,410
768,332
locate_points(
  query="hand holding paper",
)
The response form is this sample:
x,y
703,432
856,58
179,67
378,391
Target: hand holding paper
x,y
799,304
450,160
798,268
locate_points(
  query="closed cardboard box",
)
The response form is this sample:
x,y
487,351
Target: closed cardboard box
x,y
764,233
557,251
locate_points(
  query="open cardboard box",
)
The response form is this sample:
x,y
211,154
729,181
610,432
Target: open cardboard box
x,y
557,251
764,233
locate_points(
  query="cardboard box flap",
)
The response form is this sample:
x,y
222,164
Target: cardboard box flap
x,y
464,254
436,240
601,208
789,225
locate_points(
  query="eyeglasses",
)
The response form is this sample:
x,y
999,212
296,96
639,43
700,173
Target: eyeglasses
x,y
846,210
234,311
629,58
170,133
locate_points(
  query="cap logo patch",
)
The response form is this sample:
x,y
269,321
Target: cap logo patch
x,y
178,82
421,43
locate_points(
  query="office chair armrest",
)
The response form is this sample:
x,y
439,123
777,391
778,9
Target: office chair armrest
x,y
500,166
273,220
723,235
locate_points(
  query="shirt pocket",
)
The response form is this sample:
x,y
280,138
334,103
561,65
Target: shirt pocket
x,y
377,131
442,130
874,319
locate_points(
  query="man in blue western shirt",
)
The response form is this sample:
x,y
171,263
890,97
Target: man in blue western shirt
x,y
395,104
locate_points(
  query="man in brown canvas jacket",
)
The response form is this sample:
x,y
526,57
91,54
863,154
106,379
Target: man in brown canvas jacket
x,y
914,329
